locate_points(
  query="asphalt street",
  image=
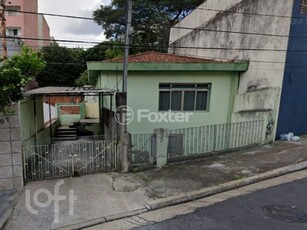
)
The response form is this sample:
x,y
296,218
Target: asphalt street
x,y
283,207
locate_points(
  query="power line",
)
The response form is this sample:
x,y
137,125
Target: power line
x,y
208,57
201,48
184,28
191,28
54,40
49,14
199,8
161,47
236,32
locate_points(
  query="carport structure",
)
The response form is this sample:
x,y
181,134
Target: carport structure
x,y
46,157
80,92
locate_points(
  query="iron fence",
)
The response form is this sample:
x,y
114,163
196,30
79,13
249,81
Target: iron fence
x,y
213,138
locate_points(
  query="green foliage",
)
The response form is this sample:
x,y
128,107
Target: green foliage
x,y
114,51
104,50
15,73
151,20
82,80
63,66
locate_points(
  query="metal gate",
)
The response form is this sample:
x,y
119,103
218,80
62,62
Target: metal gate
x,y
64,160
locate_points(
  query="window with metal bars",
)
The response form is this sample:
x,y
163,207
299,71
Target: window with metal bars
x,y
184,97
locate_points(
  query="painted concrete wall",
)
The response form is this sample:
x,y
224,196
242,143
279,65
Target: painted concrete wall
x,y
143,93
263,71
91,110
31,25
266,67
16,21
68,118
31,124
293,109
198,17
43,31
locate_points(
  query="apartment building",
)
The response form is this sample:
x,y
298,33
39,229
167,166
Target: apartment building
x,y
26,25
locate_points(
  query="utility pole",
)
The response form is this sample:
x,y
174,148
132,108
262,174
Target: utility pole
x,y
121,101
3,28
127,43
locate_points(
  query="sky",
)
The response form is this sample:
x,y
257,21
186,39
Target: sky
x,y
73,29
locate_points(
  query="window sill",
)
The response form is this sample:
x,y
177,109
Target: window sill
x,y
185,111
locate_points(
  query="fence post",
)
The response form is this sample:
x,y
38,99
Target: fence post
x,y
228,136
162,145
264,130
214,137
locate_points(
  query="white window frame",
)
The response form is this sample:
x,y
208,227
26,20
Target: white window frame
x,y
10,31
205,88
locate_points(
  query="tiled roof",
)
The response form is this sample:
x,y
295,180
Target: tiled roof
x,y
155,57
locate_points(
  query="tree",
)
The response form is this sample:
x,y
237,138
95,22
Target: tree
x,y
15,73
63,66
151,20
100,52
104,50
82,80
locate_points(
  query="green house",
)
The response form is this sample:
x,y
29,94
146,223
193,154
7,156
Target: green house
x,y
171,91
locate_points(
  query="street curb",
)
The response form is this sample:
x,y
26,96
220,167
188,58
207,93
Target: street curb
x,y
205,192
190,196
101,220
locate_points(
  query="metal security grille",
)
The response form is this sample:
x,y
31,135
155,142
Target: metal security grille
x,y
63,160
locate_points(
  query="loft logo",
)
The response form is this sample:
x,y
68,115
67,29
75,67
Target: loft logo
x,y
56,197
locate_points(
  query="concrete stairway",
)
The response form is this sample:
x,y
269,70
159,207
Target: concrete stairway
x,y
66,133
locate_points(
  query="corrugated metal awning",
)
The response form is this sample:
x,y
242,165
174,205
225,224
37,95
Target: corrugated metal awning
x,y
58,91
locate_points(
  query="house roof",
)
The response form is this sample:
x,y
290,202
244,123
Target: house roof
x,y
162,62
67,91
156,57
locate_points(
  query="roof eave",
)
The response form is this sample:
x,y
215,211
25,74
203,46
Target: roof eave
x,y
207,66
95,67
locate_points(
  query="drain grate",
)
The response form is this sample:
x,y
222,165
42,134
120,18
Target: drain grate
x,y
285,213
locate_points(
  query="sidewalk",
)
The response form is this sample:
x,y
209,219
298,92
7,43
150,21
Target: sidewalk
x,y
108,196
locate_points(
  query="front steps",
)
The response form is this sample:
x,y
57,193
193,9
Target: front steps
x,y
66,133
